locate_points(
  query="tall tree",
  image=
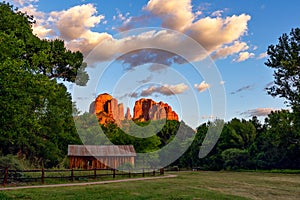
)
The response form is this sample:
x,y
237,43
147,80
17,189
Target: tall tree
x,y
284,57
35,110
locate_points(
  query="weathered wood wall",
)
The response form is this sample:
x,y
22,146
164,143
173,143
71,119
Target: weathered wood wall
x,y
86,162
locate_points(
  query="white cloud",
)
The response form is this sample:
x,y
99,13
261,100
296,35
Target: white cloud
x,y
229,50
244,56
262,55
222,82
219,36
167,90
217,13
212,33
75,22
198,13
258,112
41,28
23,2
202,86
175,14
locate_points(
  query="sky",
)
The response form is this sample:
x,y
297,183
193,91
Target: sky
x,y
204,58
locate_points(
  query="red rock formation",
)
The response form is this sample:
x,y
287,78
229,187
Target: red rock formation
x,y
128,115
147,109
101,104
108,110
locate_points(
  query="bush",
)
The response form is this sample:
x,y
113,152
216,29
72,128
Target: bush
x,y
10,161
235,158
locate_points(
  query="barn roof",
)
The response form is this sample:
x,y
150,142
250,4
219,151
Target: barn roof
x,y
101,150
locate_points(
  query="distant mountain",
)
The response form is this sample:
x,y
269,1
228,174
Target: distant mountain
x,y
108,110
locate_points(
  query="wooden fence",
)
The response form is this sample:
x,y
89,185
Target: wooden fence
x,y
8,176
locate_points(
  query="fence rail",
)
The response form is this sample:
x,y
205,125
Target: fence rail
x,y
8,176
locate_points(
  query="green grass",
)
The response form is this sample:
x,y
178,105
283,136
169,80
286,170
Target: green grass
x,y
188,185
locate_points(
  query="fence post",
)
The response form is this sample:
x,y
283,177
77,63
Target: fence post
x,y
95,173
43,175
72,174
162,171
114,173
153,172
5,176
143,172
129,174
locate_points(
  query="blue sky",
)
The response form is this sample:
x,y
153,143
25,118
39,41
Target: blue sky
x,y
235,34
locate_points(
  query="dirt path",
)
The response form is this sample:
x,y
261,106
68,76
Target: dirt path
x,y
88,183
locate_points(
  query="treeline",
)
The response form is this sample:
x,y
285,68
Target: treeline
x,y
243,144
248,144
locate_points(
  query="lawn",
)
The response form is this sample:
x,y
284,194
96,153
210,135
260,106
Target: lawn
x,y
188,185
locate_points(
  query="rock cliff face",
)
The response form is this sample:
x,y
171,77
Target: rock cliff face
x,y
128,115
108,110
147,109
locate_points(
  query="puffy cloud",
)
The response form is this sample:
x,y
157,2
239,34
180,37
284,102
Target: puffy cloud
x,y
229,50
175,14
88,41
74,26
133,52
202,86
219,36
167,90
244,56
41,28
76,22
213,33
222,82
258,112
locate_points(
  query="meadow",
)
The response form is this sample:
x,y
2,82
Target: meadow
x,y
187,185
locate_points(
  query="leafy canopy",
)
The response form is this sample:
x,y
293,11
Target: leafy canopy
x,y
284,57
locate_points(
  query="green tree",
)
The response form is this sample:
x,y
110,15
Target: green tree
x,y
35,110
47,57
279,146
284,58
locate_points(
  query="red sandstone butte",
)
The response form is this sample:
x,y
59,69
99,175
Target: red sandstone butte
x,y
108,110
147,109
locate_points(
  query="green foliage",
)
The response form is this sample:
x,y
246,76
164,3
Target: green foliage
x,y
11,162
285,60
35,110
47,57
235,158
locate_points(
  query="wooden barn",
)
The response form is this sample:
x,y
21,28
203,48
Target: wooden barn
x,y
102,156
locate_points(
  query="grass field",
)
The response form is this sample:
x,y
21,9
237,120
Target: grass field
x,y
188,185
